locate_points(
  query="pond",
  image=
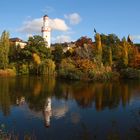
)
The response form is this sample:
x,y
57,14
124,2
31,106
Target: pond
x,y
41,108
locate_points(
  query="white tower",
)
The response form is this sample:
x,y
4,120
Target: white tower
x,y
46,31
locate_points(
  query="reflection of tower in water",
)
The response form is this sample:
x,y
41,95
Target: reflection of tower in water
x,y
58,110
20,101
47,111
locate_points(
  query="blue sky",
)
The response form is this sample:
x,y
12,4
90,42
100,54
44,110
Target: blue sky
x,y
72,19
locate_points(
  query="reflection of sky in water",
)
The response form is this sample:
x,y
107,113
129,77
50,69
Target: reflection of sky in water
x,y
78,110
75,117
59,108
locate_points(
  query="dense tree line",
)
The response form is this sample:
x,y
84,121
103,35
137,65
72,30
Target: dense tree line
x,y
103,59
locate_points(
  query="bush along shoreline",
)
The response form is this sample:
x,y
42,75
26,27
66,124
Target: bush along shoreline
x,y
69,69
7,73
130,73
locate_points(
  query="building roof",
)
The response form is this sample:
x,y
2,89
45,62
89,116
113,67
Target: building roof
x,y
16,39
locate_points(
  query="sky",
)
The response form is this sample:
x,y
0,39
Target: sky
x,y
71,19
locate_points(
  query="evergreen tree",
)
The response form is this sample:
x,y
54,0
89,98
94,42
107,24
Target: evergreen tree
x,y
125,51
58,54
129,40
110,56
99,47
4,50
107,55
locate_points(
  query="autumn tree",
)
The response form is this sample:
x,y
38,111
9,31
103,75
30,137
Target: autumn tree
x,y
4,50
125,51
98,47
84,48
110,56
84,40
37,61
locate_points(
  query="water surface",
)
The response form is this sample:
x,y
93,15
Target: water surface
x,y
49,109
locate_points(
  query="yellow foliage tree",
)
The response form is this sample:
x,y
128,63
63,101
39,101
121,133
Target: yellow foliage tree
x,y
98,46
37,60
125,52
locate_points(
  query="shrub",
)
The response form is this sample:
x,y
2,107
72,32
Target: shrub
x,y
7,72
23,69
47,67
69,71
130,73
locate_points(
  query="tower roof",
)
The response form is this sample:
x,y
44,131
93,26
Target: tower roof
x,y
46,16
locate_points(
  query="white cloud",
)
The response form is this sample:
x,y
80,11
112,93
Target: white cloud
x,y
133,37
31,26
58,24
34,25
73,18
69,32
60,111
62,39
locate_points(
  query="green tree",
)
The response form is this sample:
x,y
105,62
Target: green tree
x,y
107,55
58,55
15,53
36,41
4,50
109,40
48,67
36,44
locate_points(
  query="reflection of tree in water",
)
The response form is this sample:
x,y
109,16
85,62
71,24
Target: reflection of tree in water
x,y
41,89
135,129
35,90
87,134
113,133
4,97
95,134
103,94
